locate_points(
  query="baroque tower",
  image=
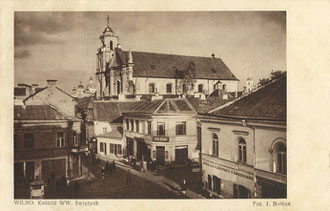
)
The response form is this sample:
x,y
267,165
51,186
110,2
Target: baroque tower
x,y
114,68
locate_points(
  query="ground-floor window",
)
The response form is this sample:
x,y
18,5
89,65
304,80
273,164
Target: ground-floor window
x,y
209,181
115,149
241,192
216,184
103,147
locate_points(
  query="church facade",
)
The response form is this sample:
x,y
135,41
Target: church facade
x,y
128,73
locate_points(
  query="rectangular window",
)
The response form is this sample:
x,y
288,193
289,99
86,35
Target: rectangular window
x,y
119,151
132,125
209,182
112,148
127,124
160,128
28,141
105,130
149,128
60,141
101,147
105,148
181,128
216,184
75,139
137,123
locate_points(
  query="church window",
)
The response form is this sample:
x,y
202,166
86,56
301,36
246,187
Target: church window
x,y
111,45
151,88
169,88
118,87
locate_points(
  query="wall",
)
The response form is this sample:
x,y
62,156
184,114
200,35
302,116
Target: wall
x,y
142,84
53,96
99,125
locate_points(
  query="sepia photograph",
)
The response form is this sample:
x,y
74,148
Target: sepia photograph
x,y
150,105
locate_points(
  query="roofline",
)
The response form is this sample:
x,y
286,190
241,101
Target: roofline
x,y
243,117
226,79
243,96
42,89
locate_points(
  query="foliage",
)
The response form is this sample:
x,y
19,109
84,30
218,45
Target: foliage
x,y
273,75
82,107
187,76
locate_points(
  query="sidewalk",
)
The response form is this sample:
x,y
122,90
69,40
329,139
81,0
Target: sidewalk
x,y
160,180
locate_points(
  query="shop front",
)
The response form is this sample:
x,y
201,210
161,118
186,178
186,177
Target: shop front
x,y
225,180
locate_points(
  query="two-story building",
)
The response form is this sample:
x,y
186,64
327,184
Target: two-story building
x,y
244,145
46,142
162,130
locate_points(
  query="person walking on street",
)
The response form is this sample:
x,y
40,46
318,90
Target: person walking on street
x,y
184,186
102,172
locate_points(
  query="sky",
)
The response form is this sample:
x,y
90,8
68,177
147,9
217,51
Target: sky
x,y
63,45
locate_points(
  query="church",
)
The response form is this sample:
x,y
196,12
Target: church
x,y
130,75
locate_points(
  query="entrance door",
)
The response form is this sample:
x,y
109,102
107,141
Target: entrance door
x,y
30,170
18,172
160,155
130,145
181,154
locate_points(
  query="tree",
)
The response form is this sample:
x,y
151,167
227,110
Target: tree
x,y
187,76
273,75
82,107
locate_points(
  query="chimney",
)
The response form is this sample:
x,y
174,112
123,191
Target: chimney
x,y
213,55
51,83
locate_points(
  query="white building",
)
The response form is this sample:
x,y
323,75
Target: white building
x,y
121,73
244,145
162,130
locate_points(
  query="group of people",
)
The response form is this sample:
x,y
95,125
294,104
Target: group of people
x,y
109,167
63,186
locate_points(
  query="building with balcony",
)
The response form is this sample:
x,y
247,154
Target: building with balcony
x,y
243,150
162,130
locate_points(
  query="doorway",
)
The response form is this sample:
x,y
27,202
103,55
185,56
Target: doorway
x,y
160,155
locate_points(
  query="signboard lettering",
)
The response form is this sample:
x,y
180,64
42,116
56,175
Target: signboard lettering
x,y
227,170
160,138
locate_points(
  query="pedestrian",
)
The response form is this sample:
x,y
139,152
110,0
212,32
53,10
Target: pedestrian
x,y
184,187
102,172
76,188
114,165
144,165
107,167
128,178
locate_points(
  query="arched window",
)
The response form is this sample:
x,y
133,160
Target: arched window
x,y
242,150
184,88
118,87
224,87
200,88
280,151
169,88
111,45
151,88
215,145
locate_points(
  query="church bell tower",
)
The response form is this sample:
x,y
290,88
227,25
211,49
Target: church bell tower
x,y
105,60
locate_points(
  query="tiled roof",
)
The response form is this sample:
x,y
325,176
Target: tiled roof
x,y
210,103
37,112
162,106
108,111
112,134
268,101
41,89
165,65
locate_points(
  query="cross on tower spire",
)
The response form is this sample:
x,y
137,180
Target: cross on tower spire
x,y
108,20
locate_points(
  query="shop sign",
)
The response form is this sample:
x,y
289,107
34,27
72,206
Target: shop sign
x,y
228,170
160,138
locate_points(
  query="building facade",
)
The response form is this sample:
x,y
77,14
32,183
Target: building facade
x,y
244,145
46,143
161,130
125,73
